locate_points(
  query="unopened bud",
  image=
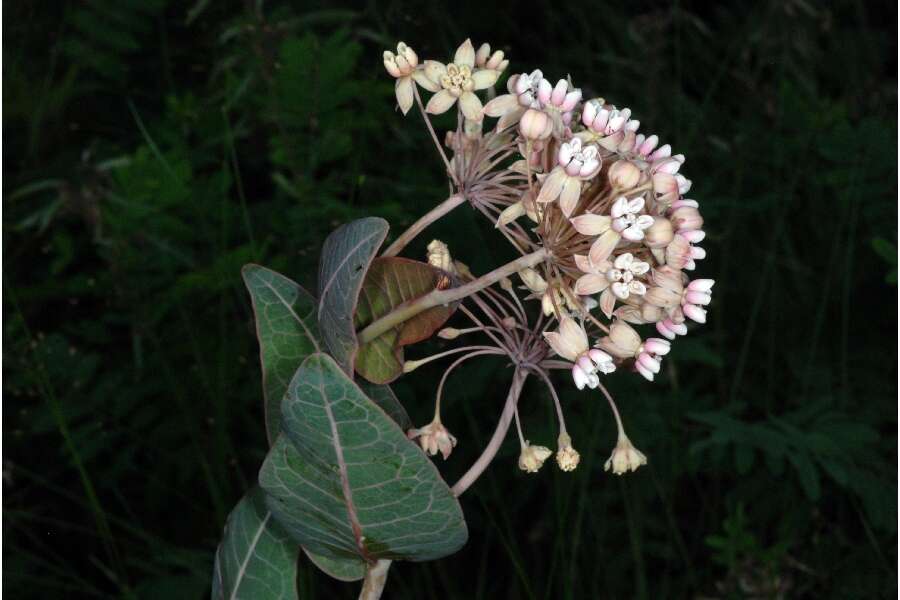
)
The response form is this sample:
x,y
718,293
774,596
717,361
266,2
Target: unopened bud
x,y
624,175
686,218
535,125
448,333
533,281
660,234
411,365
509,322
439,256
511,213
506,284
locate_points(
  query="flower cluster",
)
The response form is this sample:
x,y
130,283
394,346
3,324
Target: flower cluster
x,y
604,202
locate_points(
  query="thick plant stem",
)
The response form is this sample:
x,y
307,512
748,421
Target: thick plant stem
x,y
376,577
406,311
427,219
493,446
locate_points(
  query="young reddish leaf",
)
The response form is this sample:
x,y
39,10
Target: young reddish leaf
x,y
390,282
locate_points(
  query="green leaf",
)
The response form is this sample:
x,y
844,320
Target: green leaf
x,y
287,332
256,560
346,256
342,569
389,283
345,482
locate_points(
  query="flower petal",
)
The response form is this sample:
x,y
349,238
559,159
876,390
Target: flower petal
x,y
465,54
590,224
471,106
569,196
434,70
440,102
501,105
607,302
603,246
424,82
590,283
404,89
552,185
485,78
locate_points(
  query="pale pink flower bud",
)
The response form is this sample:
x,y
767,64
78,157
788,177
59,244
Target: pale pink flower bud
x,y
660,234
622,342
686,218
657,346
624,175
694,312
448,333
535,125
694,236
670,328
678,253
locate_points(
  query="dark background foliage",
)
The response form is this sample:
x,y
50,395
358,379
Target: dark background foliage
x,y
151,148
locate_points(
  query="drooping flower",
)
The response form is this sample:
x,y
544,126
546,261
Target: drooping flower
x,y
697,295
434,438
566,456
532,458
625,457
458,81
574,165
402,66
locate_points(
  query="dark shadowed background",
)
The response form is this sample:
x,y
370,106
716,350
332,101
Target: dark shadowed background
x,y
151,148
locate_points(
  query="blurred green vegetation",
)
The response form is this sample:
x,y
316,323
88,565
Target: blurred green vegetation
x,y
152,148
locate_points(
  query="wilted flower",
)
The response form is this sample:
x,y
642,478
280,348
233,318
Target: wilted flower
x,y
625,457
532,458
566,456
434,438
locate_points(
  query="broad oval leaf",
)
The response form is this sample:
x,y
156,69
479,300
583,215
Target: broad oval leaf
x,y
287,330
286,327
345,482
390,282
346,255
256,559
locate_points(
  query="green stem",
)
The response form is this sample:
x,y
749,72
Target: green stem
x,y
404,312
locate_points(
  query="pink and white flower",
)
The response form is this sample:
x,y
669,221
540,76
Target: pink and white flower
x,y
575,164
697,295
570,342
627,220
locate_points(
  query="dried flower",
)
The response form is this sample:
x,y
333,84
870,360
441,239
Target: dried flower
x,y
566,456
434,438
625,457
532,458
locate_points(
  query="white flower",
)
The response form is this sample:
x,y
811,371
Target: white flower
x,y
457,81
532,458
626,218
484,59
574,164
622,276
402,66
625,457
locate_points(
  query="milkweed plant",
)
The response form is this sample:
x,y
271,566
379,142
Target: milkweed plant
x,y
605,238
